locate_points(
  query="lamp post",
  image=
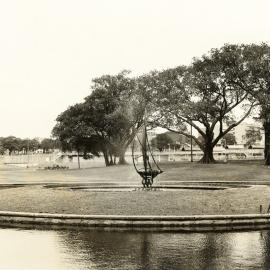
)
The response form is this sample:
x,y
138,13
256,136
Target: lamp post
x,y
169,156
28,152
78,158
191,147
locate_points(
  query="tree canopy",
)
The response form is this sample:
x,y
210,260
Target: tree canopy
x,y
252,135
110,116
161,141
228,139
15,145
212,95
73,133
258,65
204,95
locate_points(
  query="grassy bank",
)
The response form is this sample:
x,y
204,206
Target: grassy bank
x,y
239,200
180,202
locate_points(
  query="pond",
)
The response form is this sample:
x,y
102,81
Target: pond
x,y
97,249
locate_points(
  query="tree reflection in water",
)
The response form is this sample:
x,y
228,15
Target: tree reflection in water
x,y
164,250
100,249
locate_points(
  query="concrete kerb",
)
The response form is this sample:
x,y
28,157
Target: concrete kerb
x,y
181,223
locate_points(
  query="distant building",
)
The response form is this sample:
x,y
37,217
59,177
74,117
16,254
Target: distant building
x,y
240,131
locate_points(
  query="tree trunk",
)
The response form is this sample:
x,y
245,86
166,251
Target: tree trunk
x,y
266,126
122,159
208,156
111,159
106,157
78,157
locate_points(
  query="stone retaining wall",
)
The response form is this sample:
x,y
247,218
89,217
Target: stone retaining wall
x,y
181,223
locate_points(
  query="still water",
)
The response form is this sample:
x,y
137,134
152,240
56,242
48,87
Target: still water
x,y
92,249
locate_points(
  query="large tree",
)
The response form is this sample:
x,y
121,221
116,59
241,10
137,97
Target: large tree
x,y
115,112
47,145
111,116
265,116
252,135
74,134
26,145
11,143
258,65
204,95
161,141
2,149
228,139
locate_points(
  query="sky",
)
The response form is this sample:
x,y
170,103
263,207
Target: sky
x,y
50,50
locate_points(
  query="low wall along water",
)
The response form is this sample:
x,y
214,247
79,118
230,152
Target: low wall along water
x,y
182,223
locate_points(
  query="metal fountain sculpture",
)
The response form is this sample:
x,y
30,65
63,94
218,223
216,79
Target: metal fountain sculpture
x,y
150,168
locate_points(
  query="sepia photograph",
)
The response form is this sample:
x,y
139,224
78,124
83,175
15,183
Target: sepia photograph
x,y
134,135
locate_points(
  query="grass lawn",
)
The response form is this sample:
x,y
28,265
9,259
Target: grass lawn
x,y
173,172
237,200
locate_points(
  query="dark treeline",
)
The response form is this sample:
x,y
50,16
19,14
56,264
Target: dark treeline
x,y
14,145
215,92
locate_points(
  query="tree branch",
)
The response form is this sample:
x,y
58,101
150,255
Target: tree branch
x,y
234,125
185,134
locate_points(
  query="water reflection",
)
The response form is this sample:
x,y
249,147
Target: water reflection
x,y
74,249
